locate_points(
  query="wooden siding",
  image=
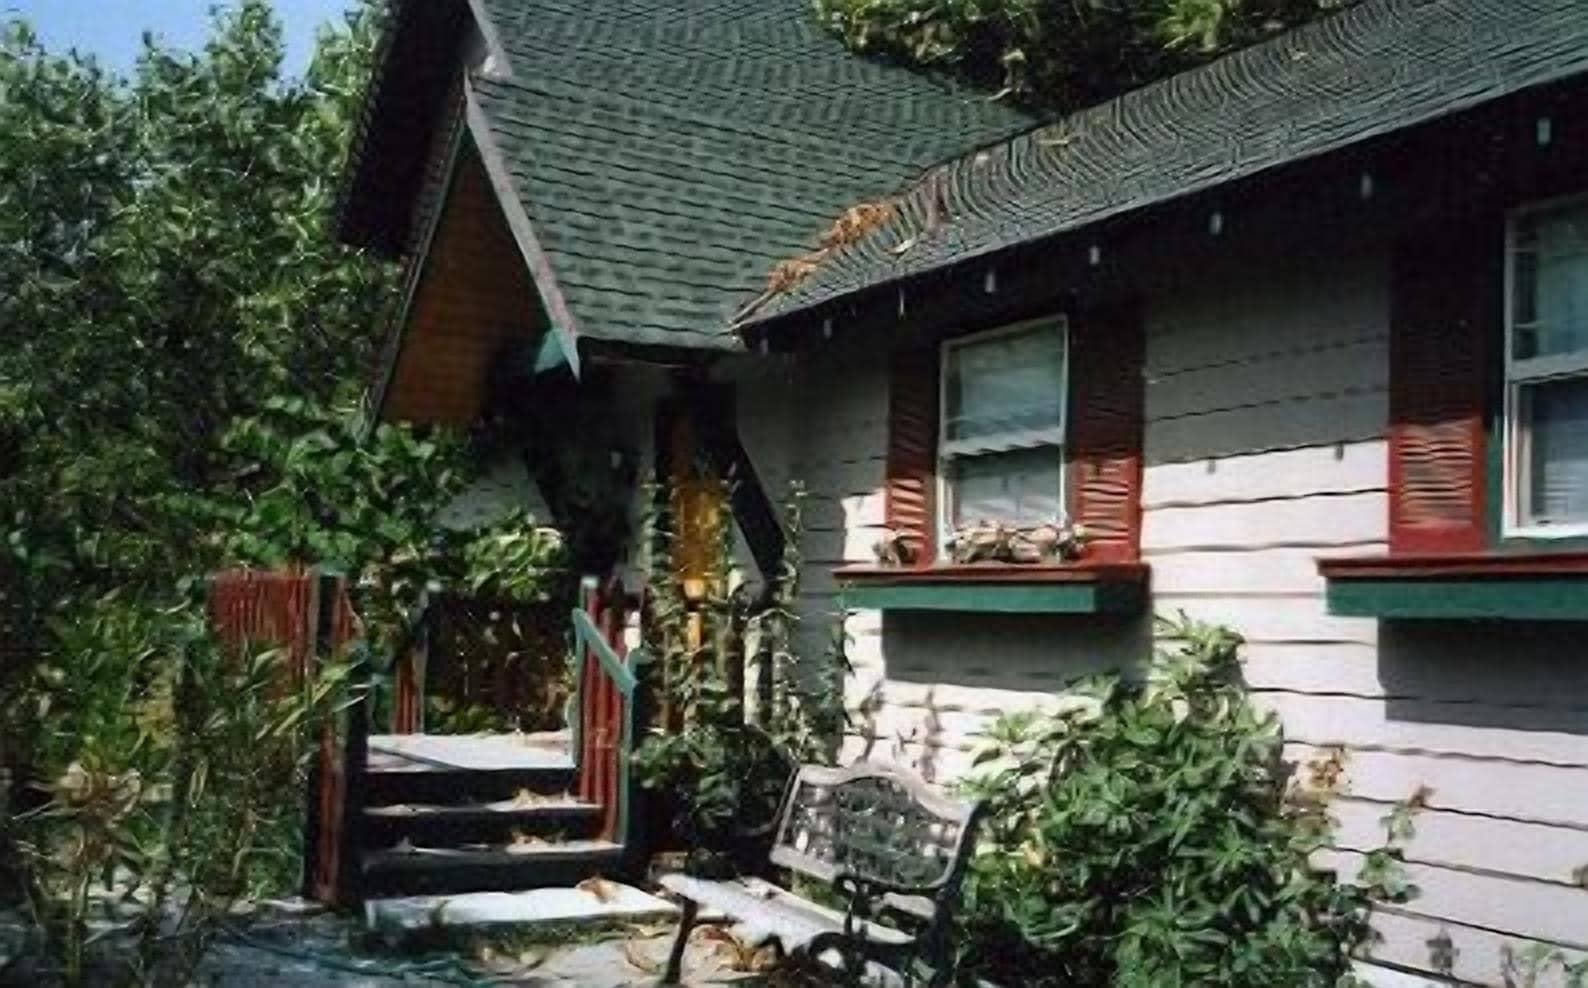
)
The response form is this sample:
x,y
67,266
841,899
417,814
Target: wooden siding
x,y
1501,745
1266,409
473,296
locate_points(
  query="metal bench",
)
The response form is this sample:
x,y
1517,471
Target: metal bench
x,y
886,844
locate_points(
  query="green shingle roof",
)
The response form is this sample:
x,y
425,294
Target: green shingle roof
x,y
1376,68
670,152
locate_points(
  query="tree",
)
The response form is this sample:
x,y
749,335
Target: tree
x,y
169,267
1060,55
183,344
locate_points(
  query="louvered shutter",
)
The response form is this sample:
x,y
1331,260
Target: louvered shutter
x,y
1107,393
911,491
1445,330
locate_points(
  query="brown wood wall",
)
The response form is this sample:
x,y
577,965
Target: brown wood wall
x,y
474,296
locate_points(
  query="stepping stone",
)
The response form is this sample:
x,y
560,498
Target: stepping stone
x,y
522,910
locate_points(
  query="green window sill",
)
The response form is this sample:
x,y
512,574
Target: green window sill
x,y
1080,588
1487,586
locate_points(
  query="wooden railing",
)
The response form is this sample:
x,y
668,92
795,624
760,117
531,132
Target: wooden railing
x,y
604,717
481,654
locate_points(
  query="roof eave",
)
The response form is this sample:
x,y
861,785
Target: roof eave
x,y
421,48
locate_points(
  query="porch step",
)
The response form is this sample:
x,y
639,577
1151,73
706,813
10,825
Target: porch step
x,y
442,786
452,824
592,902
429,870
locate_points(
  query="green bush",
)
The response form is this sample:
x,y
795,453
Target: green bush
x,y
1147,836
157,767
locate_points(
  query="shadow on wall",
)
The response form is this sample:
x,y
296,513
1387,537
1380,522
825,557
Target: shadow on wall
x,y
1515,675
949,675
1297,358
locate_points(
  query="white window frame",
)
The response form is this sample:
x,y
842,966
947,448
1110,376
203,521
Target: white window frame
x,y
1520,373
1055,438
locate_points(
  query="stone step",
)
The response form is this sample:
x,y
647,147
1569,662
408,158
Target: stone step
x,y
452,824
594,902
428,870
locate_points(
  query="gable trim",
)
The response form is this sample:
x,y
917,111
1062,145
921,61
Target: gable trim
x,y
523,231
494,64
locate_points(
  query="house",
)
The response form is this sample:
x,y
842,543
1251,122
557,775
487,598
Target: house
x,y
1300,337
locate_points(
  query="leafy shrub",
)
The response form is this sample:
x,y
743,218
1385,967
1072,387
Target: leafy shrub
x,y
720,767
1146,836
158,766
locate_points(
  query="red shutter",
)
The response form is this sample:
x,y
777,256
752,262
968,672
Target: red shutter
x,y
912,451
1105,433
1444,327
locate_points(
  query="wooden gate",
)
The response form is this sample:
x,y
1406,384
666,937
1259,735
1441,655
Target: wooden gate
x,y
309,615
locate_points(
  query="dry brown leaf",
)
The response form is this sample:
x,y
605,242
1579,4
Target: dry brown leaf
x,y
635,955
786,274
714,934
523,843
735,953
855,222
603,890
492,961
765,959
524,799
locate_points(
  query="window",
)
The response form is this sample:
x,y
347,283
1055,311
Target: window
x,y
1546,477
1001,443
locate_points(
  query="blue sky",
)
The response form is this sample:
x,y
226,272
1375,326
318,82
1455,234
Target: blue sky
x,y
111,29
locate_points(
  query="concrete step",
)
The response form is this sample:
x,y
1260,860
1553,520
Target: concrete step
x,y
465,768
593,902
404,870
452,824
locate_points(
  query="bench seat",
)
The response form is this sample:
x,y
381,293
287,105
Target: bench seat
x,y
767,913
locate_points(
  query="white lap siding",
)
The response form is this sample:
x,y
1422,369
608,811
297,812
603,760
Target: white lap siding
x,y
1251,479
1267,402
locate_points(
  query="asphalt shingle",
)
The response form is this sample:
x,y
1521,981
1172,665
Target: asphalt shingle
x,y
1376,68
670,152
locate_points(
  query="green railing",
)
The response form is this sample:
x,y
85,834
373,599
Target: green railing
x,y
604,715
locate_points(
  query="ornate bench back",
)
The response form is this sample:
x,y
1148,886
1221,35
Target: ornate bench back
x,y
877,822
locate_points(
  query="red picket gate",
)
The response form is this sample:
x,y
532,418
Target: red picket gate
x,y
307,614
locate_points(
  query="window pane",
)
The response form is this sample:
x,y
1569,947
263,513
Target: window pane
x,y
1009,383
1023,487
1550,282
1555,424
